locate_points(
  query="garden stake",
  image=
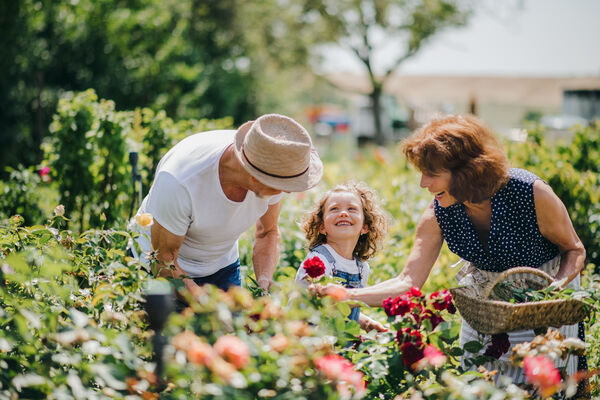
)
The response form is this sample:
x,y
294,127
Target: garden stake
x,y
159,304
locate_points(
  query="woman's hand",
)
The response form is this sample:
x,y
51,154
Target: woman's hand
x,y
338,292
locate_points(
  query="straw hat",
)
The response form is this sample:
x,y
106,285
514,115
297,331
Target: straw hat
x,y
278,152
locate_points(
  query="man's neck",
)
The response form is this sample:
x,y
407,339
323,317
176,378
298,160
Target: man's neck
x,y
232,176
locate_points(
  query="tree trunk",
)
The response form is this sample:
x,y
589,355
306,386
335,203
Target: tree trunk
x,y
376,104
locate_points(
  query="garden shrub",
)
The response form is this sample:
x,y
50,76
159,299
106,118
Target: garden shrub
x,y
573,172
20,194
88,153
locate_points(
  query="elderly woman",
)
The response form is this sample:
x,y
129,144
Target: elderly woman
x,y
492,216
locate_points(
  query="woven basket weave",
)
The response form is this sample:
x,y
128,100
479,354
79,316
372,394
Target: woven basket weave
x,y
494,316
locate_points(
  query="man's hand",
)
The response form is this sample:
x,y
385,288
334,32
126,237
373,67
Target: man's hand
x,y
264,283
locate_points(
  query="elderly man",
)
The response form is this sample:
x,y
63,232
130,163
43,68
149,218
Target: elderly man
x,y
212,186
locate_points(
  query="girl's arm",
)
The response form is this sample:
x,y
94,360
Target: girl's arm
x,y
369,324
556,226
425,251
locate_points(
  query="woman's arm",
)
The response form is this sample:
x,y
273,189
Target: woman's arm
x,y
425,251
556,226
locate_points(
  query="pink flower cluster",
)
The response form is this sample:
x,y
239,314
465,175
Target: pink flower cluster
x,y
45,174
542,373
340,370
314,267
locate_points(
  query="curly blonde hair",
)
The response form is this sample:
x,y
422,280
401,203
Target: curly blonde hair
x,y
375,219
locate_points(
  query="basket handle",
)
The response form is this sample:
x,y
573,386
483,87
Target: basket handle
x,y
517,270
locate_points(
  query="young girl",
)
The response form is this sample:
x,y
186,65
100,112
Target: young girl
x,y
343,231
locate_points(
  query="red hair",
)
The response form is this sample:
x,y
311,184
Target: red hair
x,y
465,146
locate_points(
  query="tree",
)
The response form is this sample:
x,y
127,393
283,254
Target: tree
x,y
191,58
364,26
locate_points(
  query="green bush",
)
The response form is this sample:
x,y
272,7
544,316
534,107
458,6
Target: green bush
x,y
88,152
573,172
20,195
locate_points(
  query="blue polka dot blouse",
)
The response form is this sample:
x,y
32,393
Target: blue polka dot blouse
x,y
514,239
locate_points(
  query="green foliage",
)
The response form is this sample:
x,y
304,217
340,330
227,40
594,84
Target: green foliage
x,y
70,313
88,152
21,195
194,59
571,169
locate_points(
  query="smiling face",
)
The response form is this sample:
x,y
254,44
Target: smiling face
x,y
343,217
439,185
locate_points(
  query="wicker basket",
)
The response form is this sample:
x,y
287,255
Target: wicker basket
x,y
494,316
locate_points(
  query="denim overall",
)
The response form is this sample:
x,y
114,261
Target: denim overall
x,y
350,280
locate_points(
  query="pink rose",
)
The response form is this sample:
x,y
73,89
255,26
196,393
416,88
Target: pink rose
x,y
541,372
337,368
434,356
233,349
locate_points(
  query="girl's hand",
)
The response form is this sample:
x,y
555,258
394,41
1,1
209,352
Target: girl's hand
x,y
369,324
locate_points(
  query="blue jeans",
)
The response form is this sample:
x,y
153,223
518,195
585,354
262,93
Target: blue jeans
x,y
223,278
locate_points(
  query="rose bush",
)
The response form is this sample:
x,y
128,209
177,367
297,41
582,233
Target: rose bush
x,y
72,303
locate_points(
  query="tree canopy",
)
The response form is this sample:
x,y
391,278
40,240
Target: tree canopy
x,y
365,27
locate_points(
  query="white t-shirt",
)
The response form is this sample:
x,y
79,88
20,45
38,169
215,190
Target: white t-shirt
x,y
186,198
341,264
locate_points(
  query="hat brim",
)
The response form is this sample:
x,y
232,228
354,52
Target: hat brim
x,y
307,180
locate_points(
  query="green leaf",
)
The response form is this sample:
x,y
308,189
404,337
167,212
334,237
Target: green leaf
x,y
473,346
353,328
343,308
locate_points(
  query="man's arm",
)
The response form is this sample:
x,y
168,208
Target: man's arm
x,y
167,245
265,254
556,226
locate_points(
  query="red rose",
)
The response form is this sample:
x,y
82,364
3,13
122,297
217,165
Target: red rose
x,y
411,354
442,300
407,334
314,267
433,317
500,345
415,292
398,306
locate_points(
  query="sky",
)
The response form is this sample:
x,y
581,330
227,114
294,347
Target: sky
x,y
527,38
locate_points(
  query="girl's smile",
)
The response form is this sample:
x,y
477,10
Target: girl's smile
x,y
343,217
